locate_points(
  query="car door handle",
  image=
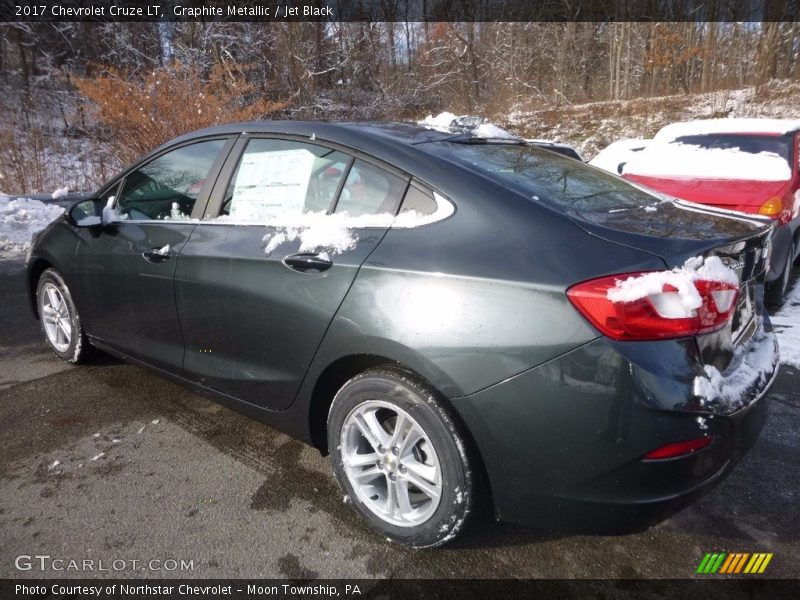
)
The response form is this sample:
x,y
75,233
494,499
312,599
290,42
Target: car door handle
x,y
308,262
157,255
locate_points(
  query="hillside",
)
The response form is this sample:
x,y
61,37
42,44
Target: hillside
x,y
591,127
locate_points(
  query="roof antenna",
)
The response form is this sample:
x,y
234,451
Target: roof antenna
x,y
313,137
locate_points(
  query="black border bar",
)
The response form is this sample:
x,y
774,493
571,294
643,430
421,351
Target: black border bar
x,y
368,589
400,10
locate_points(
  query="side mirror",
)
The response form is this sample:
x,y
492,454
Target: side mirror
x,y
85,213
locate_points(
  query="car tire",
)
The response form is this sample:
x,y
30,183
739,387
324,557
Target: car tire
x,y
775,294
59,318
415,487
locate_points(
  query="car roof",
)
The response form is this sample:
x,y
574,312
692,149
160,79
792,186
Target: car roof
x,y
708,126
347,132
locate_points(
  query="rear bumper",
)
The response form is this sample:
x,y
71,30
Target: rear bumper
x,y
563,443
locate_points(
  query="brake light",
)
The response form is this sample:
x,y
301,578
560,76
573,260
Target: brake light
x,y
665,312
679,449
772,207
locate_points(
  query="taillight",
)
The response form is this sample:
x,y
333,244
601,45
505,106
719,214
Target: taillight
x,y
657,309
679,449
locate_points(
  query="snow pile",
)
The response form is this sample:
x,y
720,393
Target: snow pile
x,y
440,122
60,192
447,122
787,326
681,278
333,234
732,390
665,159
19,220
622,151
489,130
320,231
705,126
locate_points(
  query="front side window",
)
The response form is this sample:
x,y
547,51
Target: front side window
x,y
277,180
168,186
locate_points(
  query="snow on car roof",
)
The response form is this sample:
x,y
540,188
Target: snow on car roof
x,y
706,126
448,122
617,153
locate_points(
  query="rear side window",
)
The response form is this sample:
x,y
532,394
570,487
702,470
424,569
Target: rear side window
x,y
418,201
280,178
167,187
370,190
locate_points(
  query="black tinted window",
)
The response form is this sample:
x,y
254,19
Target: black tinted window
x,y
549,177
370,190
168,186
752,144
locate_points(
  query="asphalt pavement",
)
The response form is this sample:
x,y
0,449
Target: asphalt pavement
x,y
107,462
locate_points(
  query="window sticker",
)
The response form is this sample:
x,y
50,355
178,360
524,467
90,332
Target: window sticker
x,y
271,184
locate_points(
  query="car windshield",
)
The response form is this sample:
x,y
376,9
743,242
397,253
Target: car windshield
x,y
551,178
752,144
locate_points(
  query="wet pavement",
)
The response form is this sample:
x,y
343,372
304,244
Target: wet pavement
x,y
108,462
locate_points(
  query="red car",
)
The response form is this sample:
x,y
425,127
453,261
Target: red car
x,y
747,165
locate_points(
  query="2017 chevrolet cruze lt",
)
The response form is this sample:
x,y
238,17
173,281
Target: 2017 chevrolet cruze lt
x,y
451,318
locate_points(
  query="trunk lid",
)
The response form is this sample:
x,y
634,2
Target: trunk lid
x,y
676,230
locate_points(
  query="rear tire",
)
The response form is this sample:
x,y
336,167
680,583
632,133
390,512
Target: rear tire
x,y
60,321
400,459
775,294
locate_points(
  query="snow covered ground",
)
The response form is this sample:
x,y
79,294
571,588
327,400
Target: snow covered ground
x,y
20,218
787,325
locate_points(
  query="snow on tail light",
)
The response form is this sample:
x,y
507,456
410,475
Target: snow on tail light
x,y
679,449
698,297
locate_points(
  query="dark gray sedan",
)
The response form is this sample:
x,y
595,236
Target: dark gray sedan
x,y
458,321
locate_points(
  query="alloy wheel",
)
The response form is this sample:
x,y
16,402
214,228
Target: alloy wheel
x,y
391,463
56,317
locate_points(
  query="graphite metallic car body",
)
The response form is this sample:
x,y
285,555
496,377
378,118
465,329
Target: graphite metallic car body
x,y
562,417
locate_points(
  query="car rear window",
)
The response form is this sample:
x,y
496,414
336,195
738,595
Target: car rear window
x,y
550,178
752,144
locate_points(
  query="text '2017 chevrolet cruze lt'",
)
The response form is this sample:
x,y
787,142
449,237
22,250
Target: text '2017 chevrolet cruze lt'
x,y
451,318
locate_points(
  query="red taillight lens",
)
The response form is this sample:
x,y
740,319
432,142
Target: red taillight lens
x,y
664,313
679,449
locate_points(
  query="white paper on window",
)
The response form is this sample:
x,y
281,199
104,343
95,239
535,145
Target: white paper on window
x,y
271,184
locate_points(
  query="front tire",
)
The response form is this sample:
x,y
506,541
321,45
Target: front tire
x,y
60,321
400,458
